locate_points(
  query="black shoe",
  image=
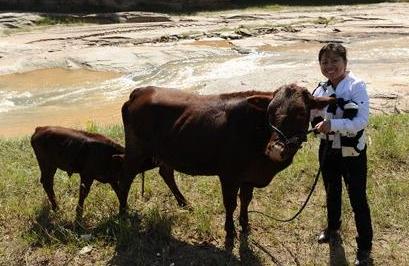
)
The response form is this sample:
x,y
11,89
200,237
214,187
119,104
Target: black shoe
x,y
328,235
363,257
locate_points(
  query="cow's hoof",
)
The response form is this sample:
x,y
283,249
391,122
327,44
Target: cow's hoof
x,y
124,215
229,243
78,224
123,211
55,208
78,216
245,231
187,207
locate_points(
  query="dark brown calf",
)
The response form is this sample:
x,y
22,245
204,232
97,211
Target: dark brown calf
x,y
74,151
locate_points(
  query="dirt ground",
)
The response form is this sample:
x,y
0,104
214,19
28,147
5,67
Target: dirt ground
x,y
377,37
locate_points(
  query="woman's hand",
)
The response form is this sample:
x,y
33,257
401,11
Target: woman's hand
x,y
323,126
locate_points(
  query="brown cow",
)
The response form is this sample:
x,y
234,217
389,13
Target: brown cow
x,y
245,138
74,151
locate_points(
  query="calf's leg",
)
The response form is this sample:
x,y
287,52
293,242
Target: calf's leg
x,y
85,186
246,195
168,176
115,188
47,180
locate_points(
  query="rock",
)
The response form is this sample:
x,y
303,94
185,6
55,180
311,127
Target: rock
x,y
105,5
241,50
168,38
289,28
230,36
85,250
244,32
116,17
18,20
267,30
86,237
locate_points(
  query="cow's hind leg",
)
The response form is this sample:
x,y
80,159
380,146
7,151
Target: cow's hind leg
x,y
85,186
47,180
168,176
124,187
133,165
246,195
229,190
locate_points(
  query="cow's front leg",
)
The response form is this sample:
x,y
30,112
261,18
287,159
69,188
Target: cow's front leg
x,y
229,190
246,195
85,186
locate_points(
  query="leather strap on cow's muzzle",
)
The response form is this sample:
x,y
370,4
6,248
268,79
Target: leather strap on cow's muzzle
x,y
294,140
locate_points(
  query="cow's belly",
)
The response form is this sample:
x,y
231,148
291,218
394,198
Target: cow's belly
x,y
191,165
190,154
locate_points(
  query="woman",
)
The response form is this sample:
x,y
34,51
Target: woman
x,y
342,151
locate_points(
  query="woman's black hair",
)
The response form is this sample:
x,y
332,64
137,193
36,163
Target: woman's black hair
x,y
335,48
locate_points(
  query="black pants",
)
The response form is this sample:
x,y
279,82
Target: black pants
x,y
354,172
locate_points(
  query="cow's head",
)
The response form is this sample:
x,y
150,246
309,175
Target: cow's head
x,y
288,115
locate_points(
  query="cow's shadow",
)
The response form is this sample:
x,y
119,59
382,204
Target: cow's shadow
x,y
44,231
337,253
48,227
155,245
136,241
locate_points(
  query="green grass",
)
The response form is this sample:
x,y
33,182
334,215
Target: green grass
x,y
158,232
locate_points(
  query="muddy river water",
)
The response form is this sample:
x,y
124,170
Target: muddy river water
x,y
60,94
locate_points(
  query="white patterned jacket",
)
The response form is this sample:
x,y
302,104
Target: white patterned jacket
x,y
346,133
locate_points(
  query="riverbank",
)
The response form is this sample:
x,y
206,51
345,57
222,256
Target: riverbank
x,y
209,52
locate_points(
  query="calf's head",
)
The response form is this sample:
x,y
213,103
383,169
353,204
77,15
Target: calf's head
x,y
288,115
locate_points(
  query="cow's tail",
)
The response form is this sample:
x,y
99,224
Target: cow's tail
x,y
131,143
131,147
36,141
126,121
127,132
34,137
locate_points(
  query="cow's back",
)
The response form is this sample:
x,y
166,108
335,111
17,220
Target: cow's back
x,y
195,134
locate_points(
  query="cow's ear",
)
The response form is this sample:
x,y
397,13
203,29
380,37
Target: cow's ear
x,y
259,102
321,101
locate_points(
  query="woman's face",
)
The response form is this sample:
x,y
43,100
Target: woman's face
x,y
333,67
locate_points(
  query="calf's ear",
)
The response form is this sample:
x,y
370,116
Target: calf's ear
x,y
259,102
320,102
